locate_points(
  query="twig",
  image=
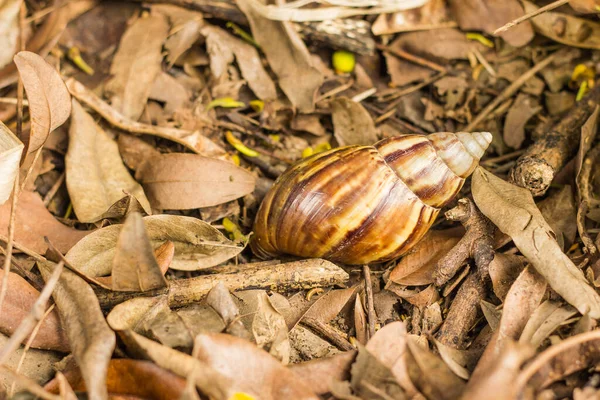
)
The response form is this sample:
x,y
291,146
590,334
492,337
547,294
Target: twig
x,y
9,241
328,333
22,15
29,384
31,167
412,58
52,192
512,89
371,316
532,14
13,101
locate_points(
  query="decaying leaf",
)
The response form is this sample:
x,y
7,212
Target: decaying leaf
x,y
545,319
34,221
136,64
79,309
513,211
49,99
329,305
9,29
197,245
10,156
185,29
223,48
287,55
352,124
96,176
134,266
523,108
560,213
371,379
564,28
180,181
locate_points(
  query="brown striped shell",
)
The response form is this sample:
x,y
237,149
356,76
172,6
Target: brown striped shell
x,y
364,204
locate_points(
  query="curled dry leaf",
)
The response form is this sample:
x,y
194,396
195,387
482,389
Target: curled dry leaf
x,y
514,212
136,65
545,319
253,369
125,377
222,301
335,368
371,379
185,29
19,300
96,176
10,156
92,341
352,124
134,266
564,28
330,305
287,55
504,270
49,99
197,245
34,221
178,181
560,213
523,108
222,48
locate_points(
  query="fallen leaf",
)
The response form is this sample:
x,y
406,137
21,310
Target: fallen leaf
x,y
9,30
178,181
457,360
96,176
433,13
130,378
10,157
184,32
560,213
352,124
19,300
360,322
287,55
576,32
545,319
197,245
135,151
253,369
134,266
34,221
513,211
136,64
92,341
334,368
489,15
49,99
223,48
168,90
328,306
504,270
371,379
523,108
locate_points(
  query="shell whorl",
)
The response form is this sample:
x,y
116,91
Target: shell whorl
x,y
362,204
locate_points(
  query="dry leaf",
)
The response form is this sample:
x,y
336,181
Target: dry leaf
x,y
287,55
96,176
513,211
328,306
433,13
504,270
49,99
168,90
197,245
560,213
134,266
92,341
180,181
371,379
34,221
185,29
10,156
334,368
9,29
222,48
136,65
564,28
545,319
352,124
360,322
523,108
253,369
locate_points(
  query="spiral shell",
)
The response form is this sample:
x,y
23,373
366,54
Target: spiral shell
x,y
365,204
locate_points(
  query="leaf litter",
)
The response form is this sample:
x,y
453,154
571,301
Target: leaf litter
x,y
187,116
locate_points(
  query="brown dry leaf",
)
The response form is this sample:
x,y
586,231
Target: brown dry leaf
x,y
489,15
135,151
131,379
352,124
134,266
433,13
10,157
49,99
184,32
129,314
504,270
513,211
571,355
19,300
96,176
287,55
310,123
136,64
372,380
523,108
417,267
560,213
253,369
9,30
545,319
438,44
334,368
92,341
430,374
360,322
328,306
34,221
197,245
223,48
564,28
178,181
168,90
457,360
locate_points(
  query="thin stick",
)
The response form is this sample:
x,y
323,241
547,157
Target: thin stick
x,y
52,192
512,89
22,15
328,333
31,167
371,316
412,58
29,384
9,242
532,14
13,101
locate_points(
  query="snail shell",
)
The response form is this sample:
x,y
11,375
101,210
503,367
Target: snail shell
x,y
364,204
